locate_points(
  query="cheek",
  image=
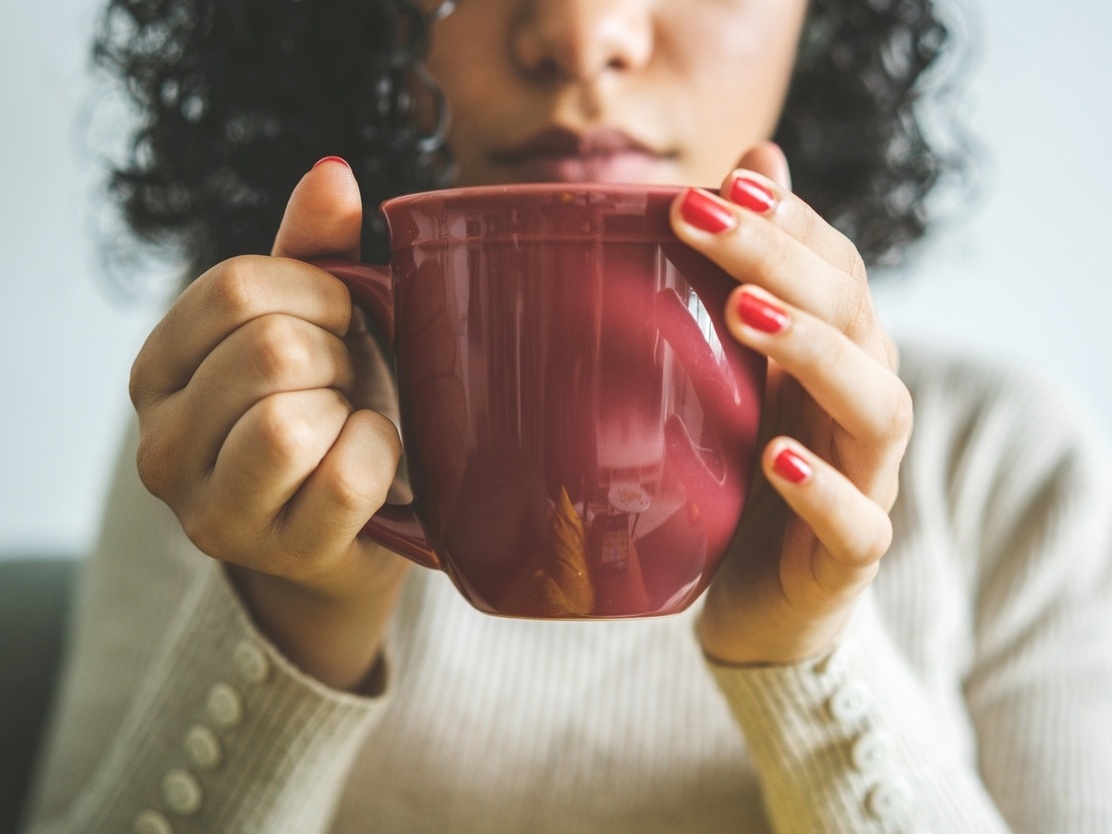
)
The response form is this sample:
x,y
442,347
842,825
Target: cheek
x,y
468,63
469,49
738,69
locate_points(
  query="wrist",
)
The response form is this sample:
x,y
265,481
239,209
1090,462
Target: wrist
x,y
727,643
334,638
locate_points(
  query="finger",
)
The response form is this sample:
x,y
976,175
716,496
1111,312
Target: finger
x,y
267,456
224,299
863,396
268,355
768,160
754,250
761,183
324,216
347,488
853,532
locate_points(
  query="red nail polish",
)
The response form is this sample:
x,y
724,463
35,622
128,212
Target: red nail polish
x,y
705,213
339,159
792,467
750,194
761,315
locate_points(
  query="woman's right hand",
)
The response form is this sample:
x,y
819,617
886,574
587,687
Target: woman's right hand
x,y
252,431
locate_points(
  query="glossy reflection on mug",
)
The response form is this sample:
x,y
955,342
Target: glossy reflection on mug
x,y
579,428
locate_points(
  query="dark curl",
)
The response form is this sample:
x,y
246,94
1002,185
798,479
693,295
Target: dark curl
x,y
237,98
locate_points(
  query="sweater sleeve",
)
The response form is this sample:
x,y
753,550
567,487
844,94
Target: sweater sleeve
x,y
850,744
176,714
1012,485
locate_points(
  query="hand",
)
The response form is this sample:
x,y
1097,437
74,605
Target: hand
x,y
836,422
250,431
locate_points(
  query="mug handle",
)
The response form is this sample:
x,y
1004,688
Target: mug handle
x,y
395,526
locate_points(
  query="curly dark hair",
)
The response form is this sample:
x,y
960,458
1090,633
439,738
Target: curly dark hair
x,y
237,98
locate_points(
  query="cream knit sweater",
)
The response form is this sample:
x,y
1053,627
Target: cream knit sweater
x,y
974,693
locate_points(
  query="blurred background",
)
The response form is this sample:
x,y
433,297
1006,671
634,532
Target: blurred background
x,y
1021,273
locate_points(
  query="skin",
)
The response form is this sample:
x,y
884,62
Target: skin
x,y
255,434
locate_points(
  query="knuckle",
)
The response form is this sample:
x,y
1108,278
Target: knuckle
x,y
777,258
137,381
878,543
387,433
826,349
152,472
359,483
855,309
208,532
283,430
856,265
356,485
237,286
279,351
764,250
157,467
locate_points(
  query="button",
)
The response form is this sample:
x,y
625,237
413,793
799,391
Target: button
x,y
834,664
182,792
251,662
224,705
871,751
888,801
152,822
203,747
850,702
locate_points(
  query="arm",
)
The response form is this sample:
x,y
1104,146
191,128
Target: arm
x,y
851,743
836,424
248,433
157,630
1008,492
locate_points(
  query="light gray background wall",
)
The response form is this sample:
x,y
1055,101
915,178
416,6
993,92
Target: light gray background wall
x,y
1022,274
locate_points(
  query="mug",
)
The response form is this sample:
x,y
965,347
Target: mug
x,y
578,426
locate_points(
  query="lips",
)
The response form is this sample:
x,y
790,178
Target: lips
x,y
561,155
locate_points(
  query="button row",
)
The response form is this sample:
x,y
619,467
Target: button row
x,y
180,789
871,753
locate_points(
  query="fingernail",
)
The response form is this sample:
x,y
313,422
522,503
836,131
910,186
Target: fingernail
x,y
792,467
761,315
752,195
704,212
339,159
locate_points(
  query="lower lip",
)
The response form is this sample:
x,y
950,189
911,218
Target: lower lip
x,y
623,166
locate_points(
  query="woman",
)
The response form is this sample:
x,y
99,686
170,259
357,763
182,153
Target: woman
x,y
303,679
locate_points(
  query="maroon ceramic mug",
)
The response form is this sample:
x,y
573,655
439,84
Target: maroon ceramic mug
x,y
579,427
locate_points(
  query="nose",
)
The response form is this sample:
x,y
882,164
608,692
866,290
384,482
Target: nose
x,y
581,40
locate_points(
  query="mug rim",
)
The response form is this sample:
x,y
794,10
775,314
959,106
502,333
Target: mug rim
x,y
540,189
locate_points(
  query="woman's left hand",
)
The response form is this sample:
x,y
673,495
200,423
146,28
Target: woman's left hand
x,y
836,421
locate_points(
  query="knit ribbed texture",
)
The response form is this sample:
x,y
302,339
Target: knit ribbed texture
x,y
973,694
249,791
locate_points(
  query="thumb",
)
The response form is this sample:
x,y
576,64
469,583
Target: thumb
x,y
766,159
324,217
